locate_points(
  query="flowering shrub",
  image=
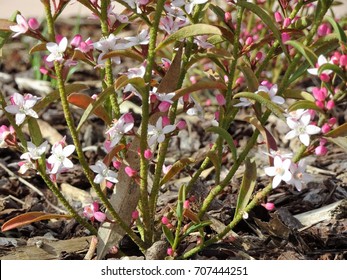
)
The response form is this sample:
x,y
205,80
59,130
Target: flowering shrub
x,y
183,48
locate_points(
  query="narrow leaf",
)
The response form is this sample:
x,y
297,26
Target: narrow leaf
x,y
298,94
31,217
108,158
251,79
196,227
168,234
304,104
124,53
227,137
336,69
339,141
84,101
35,131
190,31
337,29
339,131
176,168
38,48
247,186
5,25
264,101
54,95
305,51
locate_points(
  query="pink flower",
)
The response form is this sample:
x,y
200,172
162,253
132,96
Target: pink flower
x,y
130,172
278,17
22,26
92,212
330,104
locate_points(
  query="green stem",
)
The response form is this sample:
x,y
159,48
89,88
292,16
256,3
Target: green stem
x,y
144,202
108,64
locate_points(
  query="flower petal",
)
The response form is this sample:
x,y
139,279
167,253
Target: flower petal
x,y
305,139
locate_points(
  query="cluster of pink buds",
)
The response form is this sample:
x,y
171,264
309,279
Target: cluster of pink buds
x,y
321,149
321,95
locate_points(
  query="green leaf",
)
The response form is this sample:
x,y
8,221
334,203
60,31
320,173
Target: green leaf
x,y
247,186
305,51
298,94
336,69
176,167
264,16
226,136
190,31
180,201
168,234
214,159
339,141
200,85
251,79
338,131
196,227
35,131
264,101
304,104
54,95
337,29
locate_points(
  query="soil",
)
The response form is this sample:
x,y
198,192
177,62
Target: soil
x,y
277,234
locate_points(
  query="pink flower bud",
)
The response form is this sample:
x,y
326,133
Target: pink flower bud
x,y
148,154
153,98
99,216
164,106
166,121
285,37
320,94
321,151
33,23
343,60
278,17
193,80
323,30
240,80
116,164
181,125
76,41
259,56
332,121
227,16
266,84
320,104
186,204
220,99
109,185
268,206
226,78
287,22
325,128
170,252
324,77
330,104
58,38
43,70
322,141
135,215
248,41
216,115
130,172
165,220
208,102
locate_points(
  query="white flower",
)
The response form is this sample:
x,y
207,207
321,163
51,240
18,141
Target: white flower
x,y
165,97
299,176
302,128
280,171
58,159
56,51
201,41
21,27
244,102
158,132
296,115
174,12
122,126
321,61
22,106
141,39
34,152
188,4
196,110
271,93
103,173
170,25
106,44
279,153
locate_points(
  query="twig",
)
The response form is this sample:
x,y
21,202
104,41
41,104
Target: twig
x,y
32,187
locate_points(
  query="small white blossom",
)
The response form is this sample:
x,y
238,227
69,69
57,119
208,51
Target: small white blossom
x,y
157,132
103,173
22,26
196,110
119,128
244,102
302,128
201,41
271,93
59,158
188,4
321,61
280,171
299,176
34,152
21,106
56,51
141,39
